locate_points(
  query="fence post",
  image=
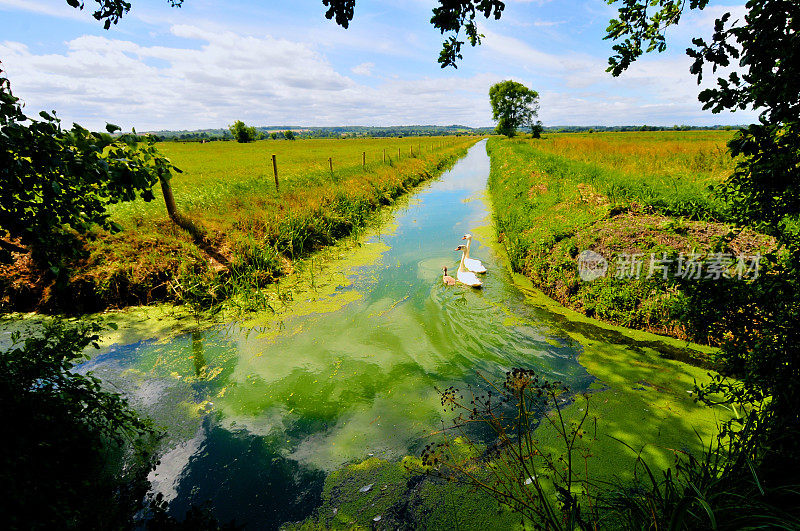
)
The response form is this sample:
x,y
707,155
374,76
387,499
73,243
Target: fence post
x,y
412,150
384,155
330,162
398,154
364,161
275,171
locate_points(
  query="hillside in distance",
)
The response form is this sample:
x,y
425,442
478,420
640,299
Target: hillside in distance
x,y
330,132
403,130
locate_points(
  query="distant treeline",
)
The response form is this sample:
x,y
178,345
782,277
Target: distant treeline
x,y
621,128
277,132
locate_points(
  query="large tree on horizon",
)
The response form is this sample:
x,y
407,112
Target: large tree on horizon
x,y
513,106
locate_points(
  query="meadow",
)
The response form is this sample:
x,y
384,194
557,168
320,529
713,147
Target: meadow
x,y
254,231
616,193
219,176
669,172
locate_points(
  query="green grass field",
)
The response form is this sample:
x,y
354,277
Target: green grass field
x,y
254,230
614,193
219,176
669,172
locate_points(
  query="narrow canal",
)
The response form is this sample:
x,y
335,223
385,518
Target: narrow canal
x,y
256,418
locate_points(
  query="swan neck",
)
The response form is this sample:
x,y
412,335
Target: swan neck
x,y
461,268
466,251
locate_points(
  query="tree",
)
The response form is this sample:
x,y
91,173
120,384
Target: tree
x,y
54,182
537,129
242,133
762,52
288,135
273,136
513,105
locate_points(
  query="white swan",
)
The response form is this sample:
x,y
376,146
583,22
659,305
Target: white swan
x,y
476,266
467,278
447,279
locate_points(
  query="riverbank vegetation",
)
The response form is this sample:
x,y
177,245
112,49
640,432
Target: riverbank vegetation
x,y
254,224
554,204
622,195
663,197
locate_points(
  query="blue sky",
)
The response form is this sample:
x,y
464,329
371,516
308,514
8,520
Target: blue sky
x,y
277,62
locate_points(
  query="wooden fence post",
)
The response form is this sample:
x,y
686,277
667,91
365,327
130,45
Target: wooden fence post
x,y
398,153
364,161
275,171
384,155
330,162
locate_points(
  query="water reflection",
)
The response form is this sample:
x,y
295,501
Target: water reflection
x,y
198,356
255,420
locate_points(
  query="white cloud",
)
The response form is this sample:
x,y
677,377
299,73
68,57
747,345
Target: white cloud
x,y
210,76
575,88
364,69
261,80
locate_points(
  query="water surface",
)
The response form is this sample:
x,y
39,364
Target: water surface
x,y
256,420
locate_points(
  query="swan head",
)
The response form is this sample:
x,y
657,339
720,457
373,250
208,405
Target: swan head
x,y
444,268
461,248
467,237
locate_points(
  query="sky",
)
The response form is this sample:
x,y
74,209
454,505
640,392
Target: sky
x,y
212,62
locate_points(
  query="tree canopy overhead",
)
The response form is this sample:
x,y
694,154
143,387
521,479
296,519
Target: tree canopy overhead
x,y
450,17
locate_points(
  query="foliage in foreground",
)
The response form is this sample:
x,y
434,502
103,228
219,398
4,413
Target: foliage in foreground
x,y
718,489
75,456
546,490
761,53
495,450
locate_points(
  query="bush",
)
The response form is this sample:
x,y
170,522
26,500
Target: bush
x,y
54,183
242,133
61,462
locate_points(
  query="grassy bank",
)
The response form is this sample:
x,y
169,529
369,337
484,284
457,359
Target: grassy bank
x,y
620,194
255,231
